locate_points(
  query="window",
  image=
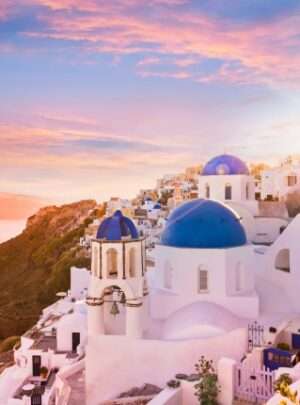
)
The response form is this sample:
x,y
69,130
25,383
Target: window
x,y
168,276
291,180
282,261
228,192
207,191
247,191
112,263
132,262
203,281
95,260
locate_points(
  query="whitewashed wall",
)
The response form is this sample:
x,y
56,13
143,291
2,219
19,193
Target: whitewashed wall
x,y
217,187
220,264
79,282
115,363
287,282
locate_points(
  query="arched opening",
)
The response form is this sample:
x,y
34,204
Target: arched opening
x,y
112,263
95,260
247,191
291,180
168,276
282,261
114,310
132,262
207,191
228,191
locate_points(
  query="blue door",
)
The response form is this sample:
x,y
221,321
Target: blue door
x,y
296,341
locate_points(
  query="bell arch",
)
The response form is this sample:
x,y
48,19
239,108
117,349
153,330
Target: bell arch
x,y
112,263
132,262
282,260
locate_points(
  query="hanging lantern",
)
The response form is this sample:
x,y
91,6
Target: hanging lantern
x,y
114,309
123,299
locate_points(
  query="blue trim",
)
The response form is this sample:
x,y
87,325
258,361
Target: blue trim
x,y
275,358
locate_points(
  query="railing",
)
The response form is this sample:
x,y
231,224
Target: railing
x,y
254,385
255,336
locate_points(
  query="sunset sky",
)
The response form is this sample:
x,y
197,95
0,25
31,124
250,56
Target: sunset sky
x,y
101,97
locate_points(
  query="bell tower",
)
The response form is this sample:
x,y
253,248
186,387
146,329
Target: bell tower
x,y
117,291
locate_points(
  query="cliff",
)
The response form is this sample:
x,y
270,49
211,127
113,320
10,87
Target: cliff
x,y
35,265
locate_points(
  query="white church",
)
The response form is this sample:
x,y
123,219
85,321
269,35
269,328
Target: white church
x,y
208,282
219,266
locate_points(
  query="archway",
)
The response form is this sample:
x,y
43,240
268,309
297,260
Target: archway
x,y
247,191
114,310
228,192
207,191
132,262
282,261
112,263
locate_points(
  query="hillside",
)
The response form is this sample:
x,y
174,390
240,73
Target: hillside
x,y
35,265
16,206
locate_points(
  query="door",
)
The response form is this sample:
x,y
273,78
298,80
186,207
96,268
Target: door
x,y
36,366
36,399
75,340
296,341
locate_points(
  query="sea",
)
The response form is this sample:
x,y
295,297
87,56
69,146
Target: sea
x,y
11,228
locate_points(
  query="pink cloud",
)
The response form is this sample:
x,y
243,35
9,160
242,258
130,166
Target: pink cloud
x,y
258,52
149,61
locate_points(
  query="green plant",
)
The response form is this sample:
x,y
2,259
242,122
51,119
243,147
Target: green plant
x,y
44,372
282,381
282,386
283,346
207,389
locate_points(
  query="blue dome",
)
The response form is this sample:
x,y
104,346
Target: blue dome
x,y
225,164
204,224
116,227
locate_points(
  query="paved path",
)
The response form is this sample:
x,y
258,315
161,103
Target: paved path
x,y
77,384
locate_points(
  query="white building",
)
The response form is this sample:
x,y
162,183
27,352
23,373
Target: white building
x,y
278,182
227,178
116,203
118,276
207,284
201,287
204,256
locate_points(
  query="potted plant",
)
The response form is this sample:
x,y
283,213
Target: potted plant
x,y
207,389
44,372
173,384
283,346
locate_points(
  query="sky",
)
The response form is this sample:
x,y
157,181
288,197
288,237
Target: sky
x,y
99,98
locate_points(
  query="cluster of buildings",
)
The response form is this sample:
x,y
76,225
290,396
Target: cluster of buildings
x,y
211,271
